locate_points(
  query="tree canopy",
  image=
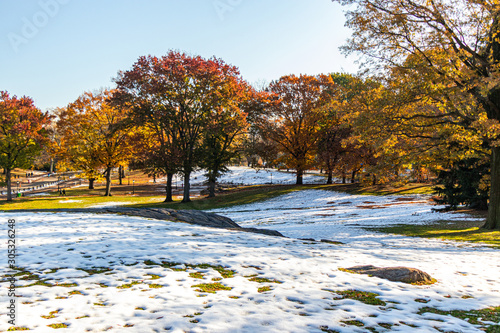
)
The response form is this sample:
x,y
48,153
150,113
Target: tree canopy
x,y
453,47
22,133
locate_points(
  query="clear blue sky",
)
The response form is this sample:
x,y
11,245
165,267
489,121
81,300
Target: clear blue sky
x,y
54,50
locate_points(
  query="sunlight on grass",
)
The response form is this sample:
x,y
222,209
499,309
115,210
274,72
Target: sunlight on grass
x,y
464,231
76,202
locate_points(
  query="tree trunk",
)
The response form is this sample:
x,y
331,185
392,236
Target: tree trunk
x,y
300,176
493,220
91,183
120,174
353,176
9,184
187,187
169,188
51,165
374,180
108,183
330,177
344,177
211,188
154,178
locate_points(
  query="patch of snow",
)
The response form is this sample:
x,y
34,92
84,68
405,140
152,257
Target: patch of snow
x,y
36,194
110,204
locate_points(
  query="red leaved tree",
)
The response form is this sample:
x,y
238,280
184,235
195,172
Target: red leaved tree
x,y
22,132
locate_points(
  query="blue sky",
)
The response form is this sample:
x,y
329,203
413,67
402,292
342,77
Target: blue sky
x,y
54,50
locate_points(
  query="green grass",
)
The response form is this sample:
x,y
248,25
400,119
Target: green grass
x,y
196,275
68,202
353,323
464,231
14,328
128,285
362,296
67,285
264,280
56,326
210,287
51,314
264,289
475,317
155,286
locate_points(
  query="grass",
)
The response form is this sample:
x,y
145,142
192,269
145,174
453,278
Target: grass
x,y
155,286
353,323
128,285
196,275
264,289
210,287
77,201
15,328
67,285
361,296
59,325
475,317
464,231
51,315
264,280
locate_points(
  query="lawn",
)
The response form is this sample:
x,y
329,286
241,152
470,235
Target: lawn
x,y
463,231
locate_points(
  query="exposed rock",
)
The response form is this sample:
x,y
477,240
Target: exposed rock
x,y
401,274
268,232
187,216
331,242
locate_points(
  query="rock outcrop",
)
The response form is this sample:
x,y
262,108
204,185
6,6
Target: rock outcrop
x,y
187,216
401,274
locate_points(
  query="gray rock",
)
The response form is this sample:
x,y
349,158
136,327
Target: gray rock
x,y
196,217
401,274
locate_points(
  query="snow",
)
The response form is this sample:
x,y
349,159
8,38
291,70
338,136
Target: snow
x,y
110,204
309,271
250,176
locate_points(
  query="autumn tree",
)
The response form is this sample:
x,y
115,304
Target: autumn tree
x,y
22,133
347,102
292,119
256,147
185,90
465,34
95,135
221,140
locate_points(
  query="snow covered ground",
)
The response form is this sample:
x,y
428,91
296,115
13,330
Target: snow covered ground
x,y
133,294
249,176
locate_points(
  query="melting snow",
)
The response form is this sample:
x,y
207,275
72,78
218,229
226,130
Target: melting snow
x,y
57,247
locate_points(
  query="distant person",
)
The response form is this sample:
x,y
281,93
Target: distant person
x,y
64,192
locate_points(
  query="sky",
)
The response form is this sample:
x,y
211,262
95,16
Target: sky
x,y
55,50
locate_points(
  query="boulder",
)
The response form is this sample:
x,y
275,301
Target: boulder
x,y
400,274
196,217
